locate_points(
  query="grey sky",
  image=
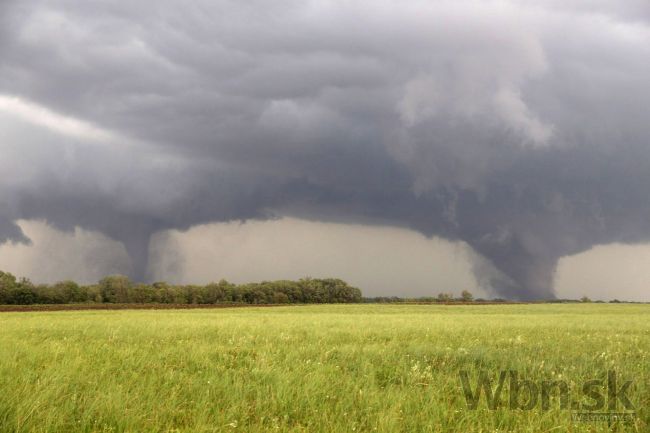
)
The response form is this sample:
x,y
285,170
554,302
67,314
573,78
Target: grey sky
x,y
518,128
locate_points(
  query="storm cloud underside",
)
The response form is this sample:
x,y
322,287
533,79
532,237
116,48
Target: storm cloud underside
x,y
517,127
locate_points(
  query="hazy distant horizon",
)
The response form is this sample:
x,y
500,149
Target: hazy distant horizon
x,y
367,259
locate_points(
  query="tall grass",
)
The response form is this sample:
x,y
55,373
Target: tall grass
x,y
344,368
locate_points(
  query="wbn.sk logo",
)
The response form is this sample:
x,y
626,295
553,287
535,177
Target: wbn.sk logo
x,y
594,396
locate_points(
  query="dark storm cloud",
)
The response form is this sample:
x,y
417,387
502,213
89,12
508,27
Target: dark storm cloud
x,y
518,128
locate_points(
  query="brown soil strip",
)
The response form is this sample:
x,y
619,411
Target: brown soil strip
x,y
82,307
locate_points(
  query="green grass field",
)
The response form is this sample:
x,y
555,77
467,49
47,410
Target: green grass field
x,y
330,368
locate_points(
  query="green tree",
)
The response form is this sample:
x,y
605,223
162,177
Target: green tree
x,y
115,289
23,293
69,292
93,293
142,294
7,285
466,296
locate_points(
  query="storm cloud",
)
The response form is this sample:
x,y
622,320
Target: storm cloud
x,y
518,127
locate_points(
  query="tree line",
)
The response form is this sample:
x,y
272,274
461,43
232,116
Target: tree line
x,y
465,297
119,289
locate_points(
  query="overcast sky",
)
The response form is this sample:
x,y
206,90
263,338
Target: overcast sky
x,y
407,146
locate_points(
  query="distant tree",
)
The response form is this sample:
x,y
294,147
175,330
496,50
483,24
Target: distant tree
x,y
46,295
22,293
214,294
328,290
93,293
193,294
7,285
444,297
115,289
280,298
163,292
142,294
70,292
585,299
466,296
